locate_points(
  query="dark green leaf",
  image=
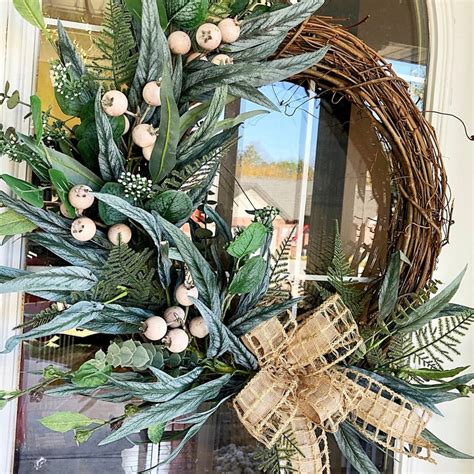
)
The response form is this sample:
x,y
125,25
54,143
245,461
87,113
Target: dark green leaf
x,y
249,241
348,442
12,223
424,314
249,276
108,214
183,404
389,290
24,190
62,188
75,172
174,206
440,447
221,225
163,157
68,52
187,14
37,117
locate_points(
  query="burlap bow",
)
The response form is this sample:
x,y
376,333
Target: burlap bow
x,y
300,389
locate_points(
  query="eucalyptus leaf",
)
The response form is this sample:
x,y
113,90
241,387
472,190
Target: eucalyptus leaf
x,y
248,276
183,404
24,190
249,241
64,421
349,444
12,223
163,156
111,160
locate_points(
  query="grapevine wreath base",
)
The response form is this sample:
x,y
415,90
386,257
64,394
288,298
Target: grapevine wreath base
x,y
420,212
190,313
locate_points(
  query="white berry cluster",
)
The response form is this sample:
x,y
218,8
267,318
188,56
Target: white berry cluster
x,y
9,146
53,129
63,84
136,186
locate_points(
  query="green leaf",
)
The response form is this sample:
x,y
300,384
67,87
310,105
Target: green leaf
x,y
12,223
222,339
241,118
187,14
54,278
389,290
440,447
64,421
183,404
135,8
348,442
75,172
26,191
208,127
37,117
81,256
425,313
30,10
108,214
174,206
203,276
435,374
249,276
254,317
75,316
163,157
62,187
68,53
249,241
154,54
111,160
92,374
164,389
155,432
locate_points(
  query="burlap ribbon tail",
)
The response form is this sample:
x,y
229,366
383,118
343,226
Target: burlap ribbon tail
x,y
300,389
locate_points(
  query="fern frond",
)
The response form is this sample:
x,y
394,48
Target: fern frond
x,y
136,272
277,459
280,286
434,344
43,317
118,57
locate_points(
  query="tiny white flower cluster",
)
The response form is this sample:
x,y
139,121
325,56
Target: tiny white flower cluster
x,y
62,83
53,131
9,146
136,186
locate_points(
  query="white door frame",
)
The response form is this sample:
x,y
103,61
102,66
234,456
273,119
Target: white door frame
x,y
19,46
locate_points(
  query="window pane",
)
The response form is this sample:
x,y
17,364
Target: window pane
x,y
82,11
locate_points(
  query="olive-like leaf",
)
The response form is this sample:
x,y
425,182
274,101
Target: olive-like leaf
x,y
12,223
248,276
249,241
64,421
24,190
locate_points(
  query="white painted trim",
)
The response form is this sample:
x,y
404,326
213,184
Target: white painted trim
x,y
73,25
18,53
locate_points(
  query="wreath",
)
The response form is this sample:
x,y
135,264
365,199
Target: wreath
x,y
190,311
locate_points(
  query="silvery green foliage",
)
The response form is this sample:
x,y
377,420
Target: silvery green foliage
x,y
133,354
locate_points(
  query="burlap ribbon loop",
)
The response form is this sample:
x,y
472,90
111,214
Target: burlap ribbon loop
x,y
300,389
